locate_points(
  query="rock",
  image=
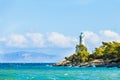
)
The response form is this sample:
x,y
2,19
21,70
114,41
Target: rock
x,y
96,63
62,63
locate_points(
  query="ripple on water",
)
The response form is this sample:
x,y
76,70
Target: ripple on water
x,y
59,73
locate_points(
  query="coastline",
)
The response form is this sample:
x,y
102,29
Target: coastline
x,y
106,55
94,63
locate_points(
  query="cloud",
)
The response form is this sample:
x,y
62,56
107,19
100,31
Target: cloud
x,y
60,40
108,35
91,37
104,35
16,40
93,40
50,47
2,39
36,39
54,39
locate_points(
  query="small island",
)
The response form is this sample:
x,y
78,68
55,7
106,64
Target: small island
x,y
107,55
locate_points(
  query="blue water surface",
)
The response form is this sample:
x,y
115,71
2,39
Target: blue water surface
x,y
44,71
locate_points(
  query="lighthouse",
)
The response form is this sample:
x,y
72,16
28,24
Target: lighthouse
x,y
81,40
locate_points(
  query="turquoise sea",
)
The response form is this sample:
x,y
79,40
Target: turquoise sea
x,y
43,71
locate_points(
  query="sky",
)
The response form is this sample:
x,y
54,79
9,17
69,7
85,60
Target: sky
x,y
48,30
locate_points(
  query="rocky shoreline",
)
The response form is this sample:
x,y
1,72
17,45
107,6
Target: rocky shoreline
x,y
94,63
107,55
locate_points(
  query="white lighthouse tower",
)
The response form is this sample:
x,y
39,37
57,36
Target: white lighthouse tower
x,y
81,40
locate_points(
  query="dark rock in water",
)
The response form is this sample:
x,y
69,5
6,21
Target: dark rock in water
x,y
112,65
118,66
102,65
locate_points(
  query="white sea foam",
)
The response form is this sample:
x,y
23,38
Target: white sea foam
x,y
65,74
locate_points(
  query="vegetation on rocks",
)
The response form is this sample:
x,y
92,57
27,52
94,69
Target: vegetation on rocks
x,y
108,51
81,55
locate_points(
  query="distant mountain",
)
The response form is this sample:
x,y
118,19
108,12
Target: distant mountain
x,y
26,56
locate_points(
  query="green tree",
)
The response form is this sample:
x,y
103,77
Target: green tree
x,y
81,55
108,50
98,53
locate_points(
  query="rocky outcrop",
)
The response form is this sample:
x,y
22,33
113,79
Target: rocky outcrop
x,y
93,63
63,63
114,63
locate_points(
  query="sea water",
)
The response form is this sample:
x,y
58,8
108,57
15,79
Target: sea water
x,y
43,71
